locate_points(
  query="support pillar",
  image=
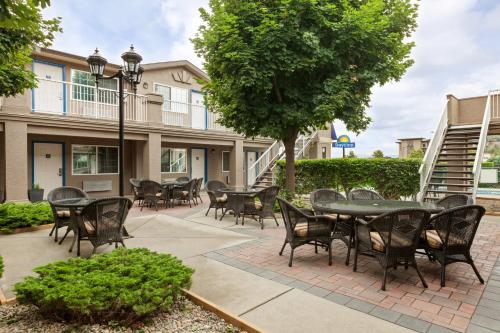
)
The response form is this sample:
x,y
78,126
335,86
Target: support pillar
x,y
16,161
152,158
236,167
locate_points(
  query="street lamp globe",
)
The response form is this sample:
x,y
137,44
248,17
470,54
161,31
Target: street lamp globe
x,y
97,63
131,61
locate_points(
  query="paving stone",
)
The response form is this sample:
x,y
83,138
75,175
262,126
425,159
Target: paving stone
x,y
268,274
491,296
487,312
486,322
359,305
413,323
318,291
385,314
473,328
283,279
494,283
439,329
338,298
492,289
443,301
254,270
490,304
300,285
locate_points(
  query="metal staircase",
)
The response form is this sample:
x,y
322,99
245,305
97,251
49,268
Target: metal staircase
x,y
264,166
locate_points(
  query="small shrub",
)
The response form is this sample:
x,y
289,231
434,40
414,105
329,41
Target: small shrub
x,y
124,286
1,266
19,215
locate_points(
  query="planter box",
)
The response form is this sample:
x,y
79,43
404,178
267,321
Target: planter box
x,y
35,195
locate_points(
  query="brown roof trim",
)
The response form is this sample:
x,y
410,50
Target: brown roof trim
x,y
177,63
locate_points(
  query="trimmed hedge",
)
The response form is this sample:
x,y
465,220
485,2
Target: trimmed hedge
x,y
20,215
391,177
124,286
1,266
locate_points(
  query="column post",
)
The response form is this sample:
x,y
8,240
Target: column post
x,y
237,160
16,161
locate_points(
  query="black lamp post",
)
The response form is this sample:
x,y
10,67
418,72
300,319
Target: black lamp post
x,y
130,71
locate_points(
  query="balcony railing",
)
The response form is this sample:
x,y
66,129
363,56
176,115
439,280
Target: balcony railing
x,y
59,97
189,115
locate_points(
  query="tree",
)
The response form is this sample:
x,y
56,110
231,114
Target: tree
x,y
378,154
22,28
351,154
417,154
279,68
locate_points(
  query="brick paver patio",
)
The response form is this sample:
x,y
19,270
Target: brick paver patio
x,y
405,302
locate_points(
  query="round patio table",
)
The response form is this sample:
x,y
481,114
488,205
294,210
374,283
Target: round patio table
x,y
236,199
358,208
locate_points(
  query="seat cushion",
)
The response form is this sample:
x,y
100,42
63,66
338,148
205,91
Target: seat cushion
x,y
314,229
63,213
223,198
377,242
255,205
433,239
89,228
185,193
334,216
397,241
158,194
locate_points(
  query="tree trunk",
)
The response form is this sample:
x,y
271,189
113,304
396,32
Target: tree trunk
x,y
290,161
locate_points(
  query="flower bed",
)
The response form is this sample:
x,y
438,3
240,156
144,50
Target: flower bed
x,y
20,215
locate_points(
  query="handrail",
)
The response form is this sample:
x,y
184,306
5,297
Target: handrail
x,y
432,150
476,169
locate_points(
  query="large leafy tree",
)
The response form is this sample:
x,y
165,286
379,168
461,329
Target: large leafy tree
x,y
22,28
279,68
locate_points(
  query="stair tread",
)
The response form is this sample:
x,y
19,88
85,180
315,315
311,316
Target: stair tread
x,y
455,159
447,171
451,192
455,178
451,184
454,165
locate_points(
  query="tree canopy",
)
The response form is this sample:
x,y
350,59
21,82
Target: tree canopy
x,y
281,67
378,154
416,153
22,28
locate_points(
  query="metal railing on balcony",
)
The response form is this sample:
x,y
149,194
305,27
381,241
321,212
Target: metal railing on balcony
x,y
72,99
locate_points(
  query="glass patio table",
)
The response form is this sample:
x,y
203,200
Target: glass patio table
x,y
169,186
359,208
236,199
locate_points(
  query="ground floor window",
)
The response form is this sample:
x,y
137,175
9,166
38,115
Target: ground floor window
x,y
173,160
94,160
226,158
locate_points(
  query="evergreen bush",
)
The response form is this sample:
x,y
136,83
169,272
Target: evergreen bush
x,y
19,215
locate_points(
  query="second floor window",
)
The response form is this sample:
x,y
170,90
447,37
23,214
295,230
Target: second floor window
x,y
174,99
83,88
173,160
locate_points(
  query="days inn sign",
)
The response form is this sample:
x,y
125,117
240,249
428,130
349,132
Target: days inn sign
x,y
344,141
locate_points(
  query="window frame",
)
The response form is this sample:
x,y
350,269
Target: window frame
x,y
222,164
79,84
170,101
170,166
96,160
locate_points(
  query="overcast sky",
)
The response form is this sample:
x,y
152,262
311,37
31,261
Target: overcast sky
x,y
457,51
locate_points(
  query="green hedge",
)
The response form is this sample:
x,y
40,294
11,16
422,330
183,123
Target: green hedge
x,y
19,215
1,266
124,286
390,177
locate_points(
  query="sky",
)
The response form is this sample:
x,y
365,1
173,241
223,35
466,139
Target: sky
x,y
457,52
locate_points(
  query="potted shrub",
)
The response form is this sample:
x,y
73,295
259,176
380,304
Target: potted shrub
x,y
36,193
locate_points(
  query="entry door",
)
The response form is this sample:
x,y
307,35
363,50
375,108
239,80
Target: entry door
x,y
198,163
197,110
49,95
251,158
48,165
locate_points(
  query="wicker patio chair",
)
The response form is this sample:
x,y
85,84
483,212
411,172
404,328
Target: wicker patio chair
x,y
62,217
153,193
182,179
101,222
264,207
343,225
186,192
449,236
197,190
302,228
137,190
218,200
392,238
455,200
364,194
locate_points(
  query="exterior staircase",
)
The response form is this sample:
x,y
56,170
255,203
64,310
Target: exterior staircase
x,y
264,166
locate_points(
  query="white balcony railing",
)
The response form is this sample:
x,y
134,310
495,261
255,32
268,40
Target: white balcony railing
x,y
190,115
59,97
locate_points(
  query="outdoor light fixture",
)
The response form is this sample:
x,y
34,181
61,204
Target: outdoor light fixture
x,y
130,71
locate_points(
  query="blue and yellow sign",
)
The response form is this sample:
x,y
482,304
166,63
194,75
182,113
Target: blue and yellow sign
x,y
344,141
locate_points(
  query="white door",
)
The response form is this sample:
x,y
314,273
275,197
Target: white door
x,y
251,158
198,163
48,165
197,110
49,95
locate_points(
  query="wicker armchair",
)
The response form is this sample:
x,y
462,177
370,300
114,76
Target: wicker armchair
x,y
197,190
62,217
392,238
364,194
455,200
182,179
264,207
449,236
342,225
153,193
302,228
137,190
186,192
217,199
101,222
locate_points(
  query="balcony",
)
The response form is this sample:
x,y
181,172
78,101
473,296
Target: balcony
x,y
188,115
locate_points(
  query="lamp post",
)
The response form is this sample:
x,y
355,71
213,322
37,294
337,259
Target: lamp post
x,y
130,71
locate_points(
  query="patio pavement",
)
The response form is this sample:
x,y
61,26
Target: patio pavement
x,y
237,268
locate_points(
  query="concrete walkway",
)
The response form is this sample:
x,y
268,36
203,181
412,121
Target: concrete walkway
x,y
269,305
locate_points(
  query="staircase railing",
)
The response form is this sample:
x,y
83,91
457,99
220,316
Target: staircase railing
x,y
491,108
432,152
275,152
